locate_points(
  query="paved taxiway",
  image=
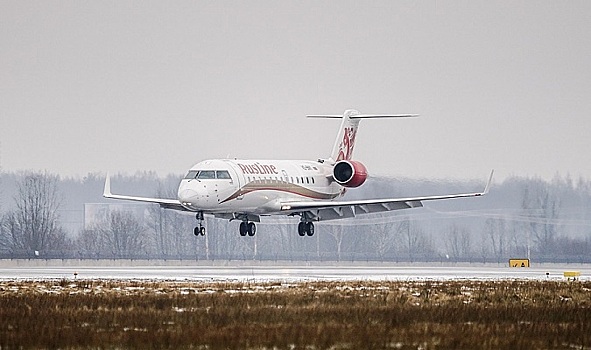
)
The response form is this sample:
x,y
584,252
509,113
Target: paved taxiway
x,y
283,272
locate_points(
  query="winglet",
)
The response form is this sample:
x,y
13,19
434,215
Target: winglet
x,y
107,191
487,188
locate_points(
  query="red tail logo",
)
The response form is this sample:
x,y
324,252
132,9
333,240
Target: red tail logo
x,y
346,146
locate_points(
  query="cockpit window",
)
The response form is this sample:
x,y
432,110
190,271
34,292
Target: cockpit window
x,y
191,174
223,174
206,174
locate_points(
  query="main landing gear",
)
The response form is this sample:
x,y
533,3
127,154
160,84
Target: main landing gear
x,y
199,230
306,228
250,229
247,228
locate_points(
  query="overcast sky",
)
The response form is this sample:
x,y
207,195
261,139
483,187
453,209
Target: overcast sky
x,y
122,86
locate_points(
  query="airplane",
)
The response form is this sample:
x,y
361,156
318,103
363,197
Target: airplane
x,y
247,189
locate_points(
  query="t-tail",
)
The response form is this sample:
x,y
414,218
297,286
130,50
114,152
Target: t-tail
x,y
345,141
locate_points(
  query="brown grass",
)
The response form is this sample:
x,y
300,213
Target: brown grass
x,y
312,315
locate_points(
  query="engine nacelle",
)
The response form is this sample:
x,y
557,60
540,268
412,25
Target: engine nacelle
x,y
349,173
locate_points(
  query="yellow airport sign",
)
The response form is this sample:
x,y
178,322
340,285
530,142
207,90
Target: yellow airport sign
x,y
574,275
518,262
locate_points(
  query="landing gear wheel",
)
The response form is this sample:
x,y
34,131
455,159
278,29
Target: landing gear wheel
x,y
199,230
243,228
251,229
302,229
309,229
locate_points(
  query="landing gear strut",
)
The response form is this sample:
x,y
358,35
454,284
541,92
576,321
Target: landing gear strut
x,y
199,230
306,228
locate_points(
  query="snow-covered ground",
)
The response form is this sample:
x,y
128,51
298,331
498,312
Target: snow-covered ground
x,y
277,271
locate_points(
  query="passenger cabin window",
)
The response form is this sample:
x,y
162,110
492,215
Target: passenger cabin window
x,y
223,174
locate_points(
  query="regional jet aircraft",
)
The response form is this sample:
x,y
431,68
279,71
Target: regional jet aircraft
x,y
246,189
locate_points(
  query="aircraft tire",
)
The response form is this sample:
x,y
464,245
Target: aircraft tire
x,y
202,230
302,229
243,228
310,229
251,229
196,231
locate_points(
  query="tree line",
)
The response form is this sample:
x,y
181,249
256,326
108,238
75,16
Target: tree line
x,y
521,217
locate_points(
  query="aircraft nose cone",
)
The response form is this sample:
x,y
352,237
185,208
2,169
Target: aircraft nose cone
x,y
188,196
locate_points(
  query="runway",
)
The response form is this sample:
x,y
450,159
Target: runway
x,y
288,272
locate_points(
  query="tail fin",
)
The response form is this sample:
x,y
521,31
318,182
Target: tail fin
x,y
345,141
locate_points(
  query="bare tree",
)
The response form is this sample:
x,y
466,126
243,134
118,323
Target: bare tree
x,y
457,242
384,237
5,241
161,222
88,242
337,232
279,239
542,208
182,242
496,232
414,240
122,235
34,223
484,251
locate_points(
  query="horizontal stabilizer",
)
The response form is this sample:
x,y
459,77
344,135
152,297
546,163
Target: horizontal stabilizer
x,y
345,141
362,116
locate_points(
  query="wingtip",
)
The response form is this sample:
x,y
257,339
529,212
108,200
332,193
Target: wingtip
x,y
107,190
487,188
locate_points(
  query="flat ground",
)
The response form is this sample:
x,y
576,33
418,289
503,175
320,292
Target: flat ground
x,y
296,271
114,314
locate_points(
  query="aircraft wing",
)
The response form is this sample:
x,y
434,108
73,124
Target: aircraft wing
x,y
164,203
330,210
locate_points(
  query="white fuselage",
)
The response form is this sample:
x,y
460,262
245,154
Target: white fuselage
x,y
255,186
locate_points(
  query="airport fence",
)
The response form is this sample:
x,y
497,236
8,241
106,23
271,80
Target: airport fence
x,y
292,257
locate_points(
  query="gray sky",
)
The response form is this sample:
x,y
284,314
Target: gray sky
x,y
122,86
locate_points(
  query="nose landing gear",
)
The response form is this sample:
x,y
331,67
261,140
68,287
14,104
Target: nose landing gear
x,y
199,230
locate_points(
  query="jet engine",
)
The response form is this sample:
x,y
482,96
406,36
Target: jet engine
x,y
349,173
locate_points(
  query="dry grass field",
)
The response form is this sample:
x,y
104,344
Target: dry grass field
x,y
111,314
